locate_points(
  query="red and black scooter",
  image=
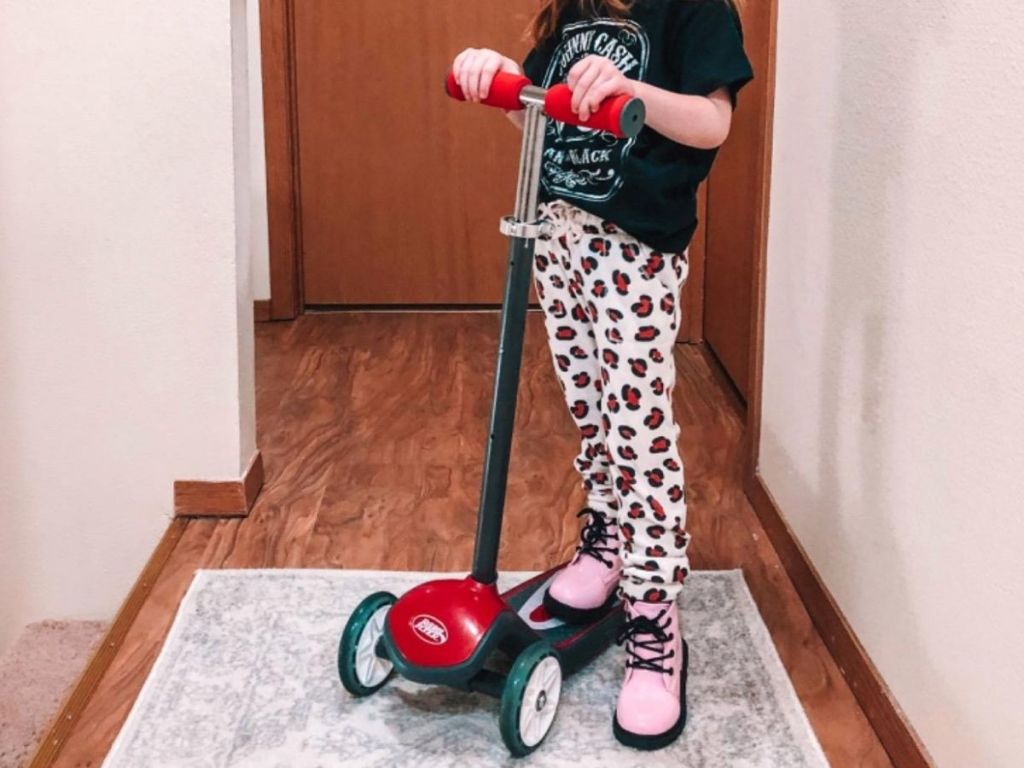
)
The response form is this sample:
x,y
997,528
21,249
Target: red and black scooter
x,y
461,632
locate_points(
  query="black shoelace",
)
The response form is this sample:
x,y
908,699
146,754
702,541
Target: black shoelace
x,y
596,536
643,633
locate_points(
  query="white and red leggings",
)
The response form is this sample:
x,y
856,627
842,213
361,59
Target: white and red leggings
x,y
611,307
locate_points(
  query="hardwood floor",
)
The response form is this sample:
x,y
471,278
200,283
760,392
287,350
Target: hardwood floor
x,y
372,428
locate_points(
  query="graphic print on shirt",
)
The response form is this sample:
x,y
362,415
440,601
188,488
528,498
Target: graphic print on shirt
x,y
580,163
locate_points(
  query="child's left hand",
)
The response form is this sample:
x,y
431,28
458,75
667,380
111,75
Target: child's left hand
x,y
594,79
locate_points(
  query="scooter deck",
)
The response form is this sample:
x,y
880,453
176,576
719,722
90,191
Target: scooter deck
x,y
449,631
576,644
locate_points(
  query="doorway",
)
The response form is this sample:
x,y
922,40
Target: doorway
x,y
387,196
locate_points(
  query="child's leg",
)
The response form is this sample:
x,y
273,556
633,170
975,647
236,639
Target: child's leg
x,y
635,307
637,323
571,337
626,298
582,591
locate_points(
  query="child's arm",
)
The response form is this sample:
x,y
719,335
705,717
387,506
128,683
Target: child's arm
x,y
696,121
702,122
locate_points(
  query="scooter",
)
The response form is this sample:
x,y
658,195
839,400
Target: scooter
x,y
461,632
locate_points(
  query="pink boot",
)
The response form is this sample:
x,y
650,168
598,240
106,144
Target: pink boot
x,y
585,589
651,711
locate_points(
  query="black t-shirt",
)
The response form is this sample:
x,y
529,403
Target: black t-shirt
x,y
647,185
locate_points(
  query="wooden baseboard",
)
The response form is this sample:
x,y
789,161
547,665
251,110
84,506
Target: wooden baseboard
x,y
261,311
230,498
67,717
882,710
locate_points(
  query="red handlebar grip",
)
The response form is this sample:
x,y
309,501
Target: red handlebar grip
x,y
622,116
504,93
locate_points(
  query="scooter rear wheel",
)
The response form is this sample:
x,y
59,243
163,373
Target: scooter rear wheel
x,y
529,701
362,672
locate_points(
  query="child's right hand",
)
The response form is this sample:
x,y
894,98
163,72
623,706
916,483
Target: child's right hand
x,y
475,68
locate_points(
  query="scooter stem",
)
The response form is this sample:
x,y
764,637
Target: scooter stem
x,y
523,229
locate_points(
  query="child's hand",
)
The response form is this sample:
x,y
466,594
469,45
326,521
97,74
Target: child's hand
x,y
594,79
474,71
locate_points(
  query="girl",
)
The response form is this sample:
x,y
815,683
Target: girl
x,y
608,276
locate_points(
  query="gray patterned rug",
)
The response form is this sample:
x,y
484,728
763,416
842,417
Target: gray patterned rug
x,y
247,678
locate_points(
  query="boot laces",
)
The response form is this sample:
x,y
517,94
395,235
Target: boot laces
x,y
647,634
596,536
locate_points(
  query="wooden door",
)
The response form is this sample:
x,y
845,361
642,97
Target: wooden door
x,y
733,217
401,189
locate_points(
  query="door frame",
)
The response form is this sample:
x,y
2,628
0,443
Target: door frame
x,y
285,211
280,115
755,378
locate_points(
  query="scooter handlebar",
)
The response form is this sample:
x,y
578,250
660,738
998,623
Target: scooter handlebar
x,y
506,91
622,116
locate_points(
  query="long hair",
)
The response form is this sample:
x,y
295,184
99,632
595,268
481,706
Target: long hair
x,y
545,23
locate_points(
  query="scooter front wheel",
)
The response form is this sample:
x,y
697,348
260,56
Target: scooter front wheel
x,y
361,670
529,701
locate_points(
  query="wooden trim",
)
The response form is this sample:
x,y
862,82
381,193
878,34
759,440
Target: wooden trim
x,y
229,498
252,480
261,311
755,382
281,138
882,710
202,498
67,718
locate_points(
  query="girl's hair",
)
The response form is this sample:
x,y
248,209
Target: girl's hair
x,y
545,23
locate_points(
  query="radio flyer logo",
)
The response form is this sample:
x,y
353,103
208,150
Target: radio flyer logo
x,y
430,630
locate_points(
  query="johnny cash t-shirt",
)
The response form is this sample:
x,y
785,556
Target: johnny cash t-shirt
x,y
646,185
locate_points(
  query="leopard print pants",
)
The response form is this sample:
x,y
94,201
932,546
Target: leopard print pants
x,y
611,307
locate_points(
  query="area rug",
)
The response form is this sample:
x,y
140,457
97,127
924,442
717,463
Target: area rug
x,y
247,678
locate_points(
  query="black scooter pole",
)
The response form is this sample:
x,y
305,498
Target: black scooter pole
x,y
523,229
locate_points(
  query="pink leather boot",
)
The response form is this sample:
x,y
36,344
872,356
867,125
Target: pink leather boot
x,y
586,588
651,711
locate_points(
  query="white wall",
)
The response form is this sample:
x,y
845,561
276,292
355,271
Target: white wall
x,y
258,161
894,376
250,227
125,304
